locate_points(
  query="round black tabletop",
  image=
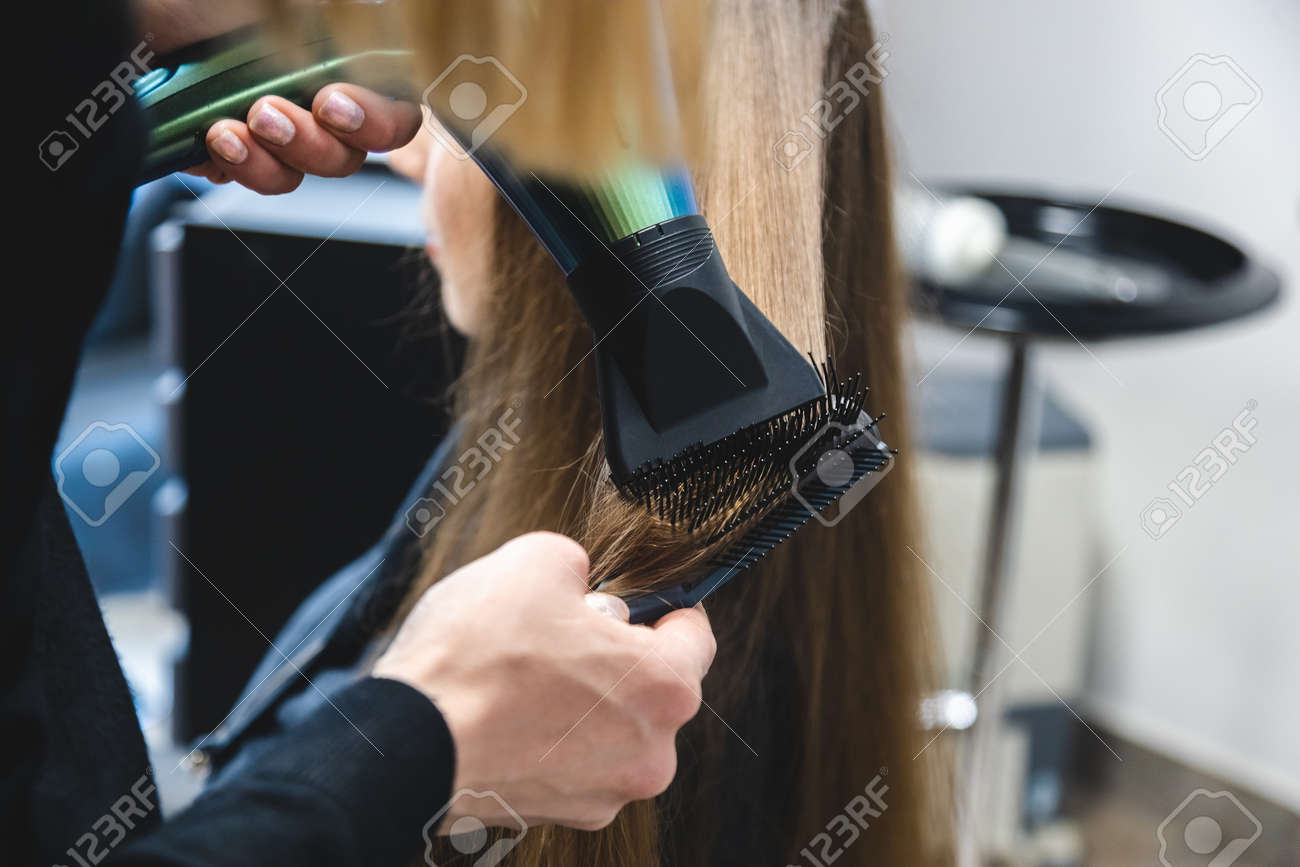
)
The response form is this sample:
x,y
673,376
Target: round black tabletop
x,y
1110,273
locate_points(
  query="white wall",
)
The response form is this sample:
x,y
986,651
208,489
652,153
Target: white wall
x,y
1199,644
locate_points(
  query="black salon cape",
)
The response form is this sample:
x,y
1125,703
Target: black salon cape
x,y
70,746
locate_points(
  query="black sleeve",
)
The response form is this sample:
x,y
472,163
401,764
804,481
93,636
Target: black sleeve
x,y
355,783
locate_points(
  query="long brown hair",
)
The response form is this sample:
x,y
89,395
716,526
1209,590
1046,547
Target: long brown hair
x,y
824,652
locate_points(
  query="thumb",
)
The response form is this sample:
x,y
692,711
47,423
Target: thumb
x,y
609,605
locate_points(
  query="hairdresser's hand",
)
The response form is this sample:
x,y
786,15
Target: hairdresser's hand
x,y
566,712
278,143
271,149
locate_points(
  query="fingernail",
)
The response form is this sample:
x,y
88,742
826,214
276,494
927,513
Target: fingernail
x,y
607,604
271,124
229,147
342,113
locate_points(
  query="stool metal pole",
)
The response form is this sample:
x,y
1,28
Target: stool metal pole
x,y
1018,430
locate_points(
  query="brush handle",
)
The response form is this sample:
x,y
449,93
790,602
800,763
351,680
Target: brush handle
x,y
650,607
188,91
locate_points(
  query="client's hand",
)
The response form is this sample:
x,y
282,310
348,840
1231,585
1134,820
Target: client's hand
x,y
564,711
281,142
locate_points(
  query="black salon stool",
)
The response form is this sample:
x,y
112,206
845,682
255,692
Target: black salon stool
x,y
1071,271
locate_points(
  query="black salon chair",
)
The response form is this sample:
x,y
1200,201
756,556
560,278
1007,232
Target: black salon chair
x,y
298,414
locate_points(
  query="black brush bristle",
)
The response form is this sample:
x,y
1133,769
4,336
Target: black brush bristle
x,y
788,511
700,488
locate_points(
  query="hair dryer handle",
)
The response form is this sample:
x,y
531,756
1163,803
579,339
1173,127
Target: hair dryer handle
x,y
188,91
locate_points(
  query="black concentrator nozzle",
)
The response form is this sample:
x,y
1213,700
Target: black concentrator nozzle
x,y
704,400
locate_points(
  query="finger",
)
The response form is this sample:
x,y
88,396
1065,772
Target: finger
x,y
364,119
293,136
685,640
235,151
209,171
551,559
609,605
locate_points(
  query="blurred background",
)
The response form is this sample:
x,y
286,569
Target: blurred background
x,y
1099,204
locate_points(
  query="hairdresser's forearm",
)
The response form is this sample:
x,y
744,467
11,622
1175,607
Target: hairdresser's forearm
x,y
353,784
